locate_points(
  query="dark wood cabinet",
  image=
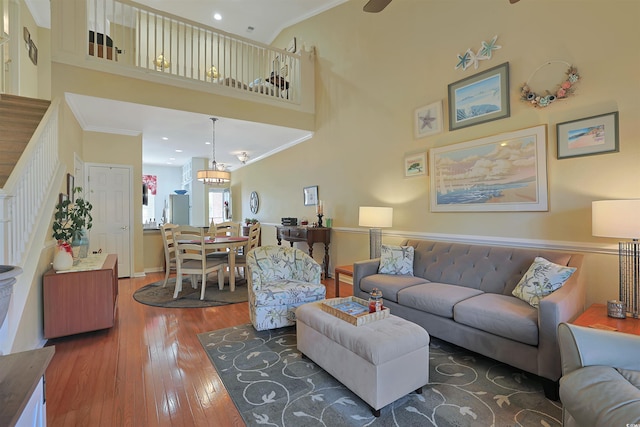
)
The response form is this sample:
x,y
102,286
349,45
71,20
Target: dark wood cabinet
x,y
309,235
80,301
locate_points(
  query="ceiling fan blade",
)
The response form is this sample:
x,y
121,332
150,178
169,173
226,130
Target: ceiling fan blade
x,y
375,6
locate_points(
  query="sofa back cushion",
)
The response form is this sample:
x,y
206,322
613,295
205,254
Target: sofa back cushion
x,y
492,269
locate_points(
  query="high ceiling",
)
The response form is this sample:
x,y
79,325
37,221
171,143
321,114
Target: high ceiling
x,y
187,131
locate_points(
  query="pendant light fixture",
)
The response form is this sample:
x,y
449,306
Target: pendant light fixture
x,y
216,175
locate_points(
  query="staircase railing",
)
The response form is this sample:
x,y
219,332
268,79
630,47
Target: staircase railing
x,y
27,188
126,34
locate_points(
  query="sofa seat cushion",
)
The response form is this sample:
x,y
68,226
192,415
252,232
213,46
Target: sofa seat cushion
x,y
435,298
501,315
605,397
389,284
288,292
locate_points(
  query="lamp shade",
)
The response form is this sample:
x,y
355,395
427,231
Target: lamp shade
x,y
616,218
209,176
371,216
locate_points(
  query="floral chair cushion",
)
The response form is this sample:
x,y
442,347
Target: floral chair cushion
x,y
280,279
542,278
396,260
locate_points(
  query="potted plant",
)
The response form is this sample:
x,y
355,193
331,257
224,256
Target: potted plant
x,y
72,220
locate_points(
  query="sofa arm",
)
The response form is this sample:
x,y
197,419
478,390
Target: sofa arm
x,y
362,269
563,305
582,346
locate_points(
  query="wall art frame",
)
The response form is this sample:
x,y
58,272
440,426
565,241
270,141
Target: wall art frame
x,y
500,173
310,195
415,165
428,120
588,136
480,98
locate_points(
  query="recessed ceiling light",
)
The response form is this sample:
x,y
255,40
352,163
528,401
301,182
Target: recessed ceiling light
x,y
207,143
178,151
172,158
164,138
217,16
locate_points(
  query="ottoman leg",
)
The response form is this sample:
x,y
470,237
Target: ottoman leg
x,y
375,412
419,390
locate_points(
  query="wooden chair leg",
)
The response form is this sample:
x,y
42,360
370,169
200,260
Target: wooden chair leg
x,y
166,276
204,286
178,285
221,278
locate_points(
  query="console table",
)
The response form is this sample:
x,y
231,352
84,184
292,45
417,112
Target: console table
x,y
309,235
80,301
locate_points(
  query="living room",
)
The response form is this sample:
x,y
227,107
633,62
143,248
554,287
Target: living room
x,y
374,70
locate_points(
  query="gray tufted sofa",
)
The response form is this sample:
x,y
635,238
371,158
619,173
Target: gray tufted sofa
x,y
461,293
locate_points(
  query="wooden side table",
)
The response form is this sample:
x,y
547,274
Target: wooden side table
x,y
596,317
346,270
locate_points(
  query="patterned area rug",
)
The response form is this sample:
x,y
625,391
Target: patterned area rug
x,y
272,385
154,294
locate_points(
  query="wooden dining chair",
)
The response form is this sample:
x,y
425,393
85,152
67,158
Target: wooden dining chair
x,y
253,242
169,250
227,228
192,259
223,229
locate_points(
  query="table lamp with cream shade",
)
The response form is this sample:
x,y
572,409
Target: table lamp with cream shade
x,y
621,219
375,218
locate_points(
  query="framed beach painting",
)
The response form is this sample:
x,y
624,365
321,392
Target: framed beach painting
x,y
506,172
588,136
428,120
415,165
480,98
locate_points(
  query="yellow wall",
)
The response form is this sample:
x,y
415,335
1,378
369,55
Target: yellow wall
x,y
374,70
121,150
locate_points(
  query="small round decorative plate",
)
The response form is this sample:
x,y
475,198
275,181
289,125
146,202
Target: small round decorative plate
x,y
254,202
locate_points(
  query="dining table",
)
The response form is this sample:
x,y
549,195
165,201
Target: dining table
x,y
218,243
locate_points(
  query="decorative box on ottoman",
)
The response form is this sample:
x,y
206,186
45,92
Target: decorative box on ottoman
x,y
379,361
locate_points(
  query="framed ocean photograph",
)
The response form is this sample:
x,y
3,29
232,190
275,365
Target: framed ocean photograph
x,y
588,136
480,98
506,172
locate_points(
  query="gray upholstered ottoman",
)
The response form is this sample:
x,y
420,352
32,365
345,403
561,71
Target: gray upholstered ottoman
x,y
380,361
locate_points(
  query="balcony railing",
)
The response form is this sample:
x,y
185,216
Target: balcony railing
x,y
123,34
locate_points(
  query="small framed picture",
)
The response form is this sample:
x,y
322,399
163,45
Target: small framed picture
x,y
428,120
415,164
62,197
310,195
293,46
588,136
480,98
70,184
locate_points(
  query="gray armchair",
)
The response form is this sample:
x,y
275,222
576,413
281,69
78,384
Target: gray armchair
x,y
600,384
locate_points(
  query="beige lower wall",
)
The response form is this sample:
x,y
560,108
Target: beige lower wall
x,y
153,251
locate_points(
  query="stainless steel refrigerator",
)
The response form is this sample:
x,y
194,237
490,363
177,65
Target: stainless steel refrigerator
x,y
179,209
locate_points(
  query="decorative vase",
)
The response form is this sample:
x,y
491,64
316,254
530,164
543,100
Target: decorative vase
x,y
62,260
80,245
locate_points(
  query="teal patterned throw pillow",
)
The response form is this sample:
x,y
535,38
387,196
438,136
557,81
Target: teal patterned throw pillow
x,y
542,278
396,260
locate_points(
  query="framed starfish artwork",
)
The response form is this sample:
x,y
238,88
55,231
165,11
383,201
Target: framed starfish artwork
x,y
428,120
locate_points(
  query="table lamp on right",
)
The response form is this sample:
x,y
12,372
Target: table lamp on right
x,y
375,218
621,219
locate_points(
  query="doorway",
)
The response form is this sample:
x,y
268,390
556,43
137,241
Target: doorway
x,y
109,191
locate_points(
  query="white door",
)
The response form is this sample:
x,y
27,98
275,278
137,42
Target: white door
x,y
110,194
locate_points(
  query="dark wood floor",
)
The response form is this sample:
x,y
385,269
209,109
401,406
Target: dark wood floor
x,y
148,370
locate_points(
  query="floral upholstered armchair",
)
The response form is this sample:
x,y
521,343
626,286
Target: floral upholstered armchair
x,y
280,279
